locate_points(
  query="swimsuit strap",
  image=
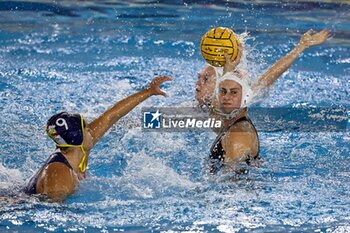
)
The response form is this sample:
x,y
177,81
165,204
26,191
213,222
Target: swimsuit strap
x,y
246,119
224,130
59,157
217,151
55,157
256,132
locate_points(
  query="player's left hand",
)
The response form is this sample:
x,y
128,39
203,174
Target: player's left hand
x,y
310,38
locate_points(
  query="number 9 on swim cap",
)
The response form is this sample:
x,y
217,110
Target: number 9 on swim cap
x,y
216,42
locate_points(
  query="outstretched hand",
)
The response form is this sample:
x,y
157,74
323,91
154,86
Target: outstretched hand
x,y
154,87
231,65
310,39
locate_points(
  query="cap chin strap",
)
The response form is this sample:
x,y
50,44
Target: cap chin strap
x,y
230,115
83,164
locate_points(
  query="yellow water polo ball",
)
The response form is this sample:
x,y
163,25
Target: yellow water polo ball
x,y
216,42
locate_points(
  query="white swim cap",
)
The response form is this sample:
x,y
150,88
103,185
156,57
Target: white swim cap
x,y
242,79
218,70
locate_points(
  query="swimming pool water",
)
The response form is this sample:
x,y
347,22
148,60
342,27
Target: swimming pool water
x,y
84,56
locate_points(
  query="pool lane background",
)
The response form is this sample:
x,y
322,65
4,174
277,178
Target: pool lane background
x,y
84,57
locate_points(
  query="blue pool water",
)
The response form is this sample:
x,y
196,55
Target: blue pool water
x,y
84,56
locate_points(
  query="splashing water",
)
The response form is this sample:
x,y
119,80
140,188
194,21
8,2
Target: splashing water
x,y
85,57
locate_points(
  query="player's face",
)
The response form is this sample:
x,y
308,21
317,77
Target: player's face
x,y
205,85
230,96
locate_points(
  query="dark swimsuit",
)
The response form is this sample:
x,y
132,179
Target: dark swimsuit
x,y
217,153
55,157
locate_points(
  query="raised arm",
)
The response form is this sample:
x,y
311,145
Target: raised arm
x,y
307,40
101,124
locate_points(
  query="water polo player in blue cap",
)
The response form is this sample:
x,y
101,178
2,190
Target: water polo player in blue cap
x,y
74,137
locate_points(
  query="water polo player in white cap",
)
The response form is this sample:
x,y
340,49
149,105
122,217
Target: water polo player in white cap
x,y
74,138
238,140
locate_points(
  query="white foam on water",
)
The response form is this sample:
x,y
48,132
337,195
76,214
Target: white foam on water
x,y
152,175
10,178
158,183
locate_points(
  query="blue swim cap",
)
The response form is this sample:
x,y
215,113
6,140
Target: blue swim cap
x,y
66,129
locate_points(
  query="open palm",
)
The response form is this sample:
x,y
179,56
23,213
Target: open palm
x,y
310,39
155,85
